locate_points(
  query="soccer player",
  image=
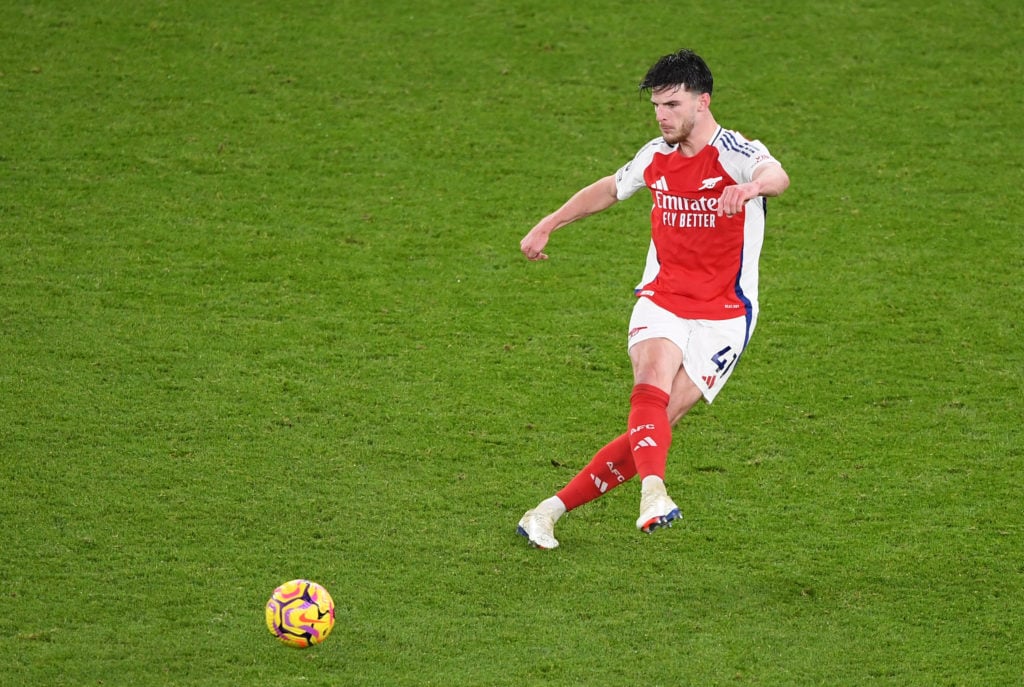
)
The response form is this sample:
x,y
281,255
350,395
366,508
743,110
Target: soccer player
x,y
697,301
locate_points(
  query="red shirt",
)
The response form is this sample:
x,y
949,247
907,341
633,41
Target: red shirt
x,y
701,265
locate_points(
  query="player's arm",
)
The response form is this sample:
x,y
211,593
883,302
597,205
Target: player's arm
x,y
770,179
600,195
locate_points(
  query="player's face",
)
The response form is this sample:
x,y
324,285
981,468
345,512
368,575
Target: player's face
x,y
676,110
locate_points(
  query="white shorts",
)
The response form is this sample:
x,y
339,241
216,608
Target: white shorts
x,y
710,348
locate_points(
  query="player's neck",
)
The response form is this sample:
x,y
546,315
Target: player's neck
x,y
699,138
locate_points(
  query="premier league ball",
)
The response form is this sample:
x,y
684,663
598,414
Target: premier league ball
x,y
300,613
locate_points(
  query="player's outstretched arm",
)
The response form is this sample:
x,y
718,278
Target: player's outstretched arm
x,y
600,195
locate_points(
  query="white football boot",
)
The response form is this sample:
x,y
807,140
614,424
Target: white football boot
x,y
657,509
538,527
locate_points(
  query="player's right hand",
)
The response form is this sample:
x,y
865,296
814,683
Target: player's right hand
x,y
533,244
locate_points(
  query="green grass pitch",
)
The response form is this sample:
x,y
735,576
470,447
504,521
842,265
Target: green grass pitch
x,y
263,316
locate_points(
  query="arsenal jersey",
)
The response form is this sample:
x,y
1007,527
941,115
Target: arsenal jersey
x,y
700,265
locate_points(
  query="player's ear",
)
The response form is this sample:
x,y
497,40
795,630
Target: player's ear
x,y
705,101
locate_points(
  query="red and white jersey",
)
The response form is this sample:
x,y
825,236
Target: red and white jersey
x,y
700,265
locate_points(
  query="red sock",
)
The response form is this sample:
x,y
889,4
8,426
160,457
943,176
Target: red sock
x,y
610,467
650,433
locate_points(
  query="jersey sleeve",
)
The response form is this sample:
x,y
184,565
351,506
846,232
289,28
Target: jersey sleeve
x,y
761,157
630,177
741,157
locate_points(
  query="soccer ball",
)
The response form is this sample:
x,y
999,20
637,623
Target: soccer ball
x,y
300,613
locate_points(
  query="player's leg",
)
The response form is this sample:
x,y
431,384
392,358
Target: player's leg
x,y
610,467
710,350
656,364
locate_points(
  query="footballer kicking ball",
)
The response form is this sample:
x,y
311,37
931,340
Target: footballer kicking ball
x,y
300,613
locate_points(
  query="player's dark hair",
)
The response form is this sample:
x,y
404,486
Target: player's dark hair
x,y
684,68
